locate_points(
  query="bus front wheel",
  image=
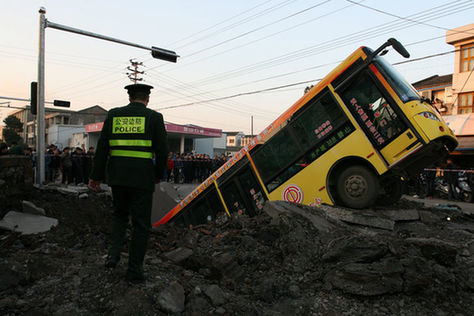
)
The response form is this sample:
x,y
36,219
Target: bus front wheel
x,y
357,187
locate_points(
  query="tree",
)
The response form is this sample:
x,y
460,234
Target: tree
x,y
12,130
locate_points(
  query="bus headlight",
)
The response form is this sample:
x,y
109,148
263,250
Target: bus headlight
x,y
430,116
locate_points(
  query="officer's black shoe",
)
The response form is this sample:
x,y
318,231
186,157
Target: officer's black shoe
x,y
111,262
136,278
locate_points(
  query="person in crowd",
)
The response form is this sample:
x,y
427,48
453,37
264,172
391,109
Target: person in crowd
x,y
178,164
87,164
430,176
3,149
16,149
451,178
54,165
169,167
77,165
66,166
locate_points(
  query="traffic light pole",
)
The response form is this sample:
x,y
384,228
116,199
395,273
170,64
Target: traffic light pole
x,y
156,52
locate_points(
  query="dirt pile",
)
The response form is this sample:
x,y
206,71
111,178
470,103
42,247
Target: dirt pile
x,y
289,260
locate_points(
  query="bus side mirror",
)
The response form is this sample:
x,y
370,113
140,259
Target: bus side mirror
x,y
399,47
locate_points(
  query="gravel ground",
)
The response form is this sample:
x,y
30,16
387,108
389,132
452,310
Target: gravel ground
x,y
289,260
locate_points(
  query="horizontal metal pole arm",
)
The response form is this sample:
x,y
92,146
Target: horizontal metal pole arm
x,y
21,99
107,38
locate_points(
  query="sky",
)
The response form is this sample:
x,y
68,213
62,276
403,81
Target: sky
x,y
227,48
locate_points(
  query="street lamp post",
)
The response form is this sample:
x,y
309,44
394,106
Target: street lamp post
x,y
156,52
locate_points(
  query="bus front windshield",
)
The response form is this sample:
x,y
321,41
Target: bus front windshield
x,y
403,89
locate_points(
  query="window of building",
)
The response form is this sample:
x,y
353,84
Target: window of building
x,y
231,140
467,57
465,102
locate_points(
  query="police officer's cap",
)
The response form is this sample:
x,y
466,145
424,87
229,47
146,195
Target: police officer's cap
x,y
138,87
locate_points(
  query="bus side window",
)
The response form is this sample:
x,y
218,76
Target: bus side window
x,y
372,109
319,126
203,210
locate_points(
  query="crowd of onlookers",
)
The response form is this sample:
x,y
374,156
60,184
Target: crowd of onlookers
x,y
73,165
192,168
68,166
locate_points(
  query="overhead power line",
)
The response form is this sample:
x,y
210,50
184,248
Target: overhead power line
x,y
403,18
235,24
389,27
285,86
258,28
238,95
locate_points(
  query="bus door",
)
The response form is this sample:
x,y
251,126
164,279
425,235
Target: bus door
x,y
379,116
242,193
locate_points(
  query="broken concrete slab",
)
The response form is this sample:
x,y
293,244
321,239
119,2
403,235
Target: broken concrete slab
x,y
317,218
179,254
352,217
31,208
27,223
355,249
67,191
368,279
429,217
78,188
400,215
441,251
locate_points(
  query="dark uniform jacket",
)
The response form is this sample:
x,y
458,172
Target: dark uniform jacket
x,y
131,136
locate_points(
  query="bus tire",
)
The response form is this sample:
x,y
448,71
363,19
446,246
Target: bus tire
x,y
392,191
357,187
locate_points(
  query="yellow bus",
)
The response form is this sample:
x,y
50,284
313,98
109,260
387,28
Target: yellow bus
x,y
347,141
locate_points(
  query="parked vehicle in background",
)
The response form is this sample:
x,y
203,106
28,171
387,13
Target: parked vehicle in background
x,y
465,190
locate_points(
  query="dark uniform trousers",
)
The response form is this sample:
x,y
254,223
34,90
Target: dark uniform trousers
x,y
137,204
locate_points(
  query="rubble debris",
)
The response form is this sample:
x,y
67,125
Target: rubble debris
x,y
215,294
29,207
83,196
441,251
26,223
179,254
288,260
171,299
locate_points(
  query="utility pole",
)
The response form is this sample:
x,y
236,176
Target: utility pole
x,y
133,75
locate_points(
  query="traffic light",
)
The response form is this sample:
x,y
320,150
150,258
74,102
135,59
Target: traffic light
x,y
164,54
34,97
64,104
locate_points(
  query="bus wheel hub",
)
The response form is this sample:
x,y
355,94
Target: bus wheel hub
x,y
356,185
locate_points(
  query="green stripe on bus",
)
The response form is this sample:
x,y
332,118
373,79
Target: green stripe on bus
x,y
130,142
131,154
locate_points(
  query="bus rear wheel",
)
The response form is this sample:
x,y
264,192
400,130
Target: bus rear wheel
x,y
357,187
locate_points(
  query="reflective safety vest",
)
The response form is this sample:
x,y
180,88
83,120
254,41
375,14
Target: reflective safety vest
x,y
128,138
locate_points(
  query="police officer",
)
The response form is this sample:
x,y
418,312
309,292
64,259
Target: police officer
x,y
131,136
